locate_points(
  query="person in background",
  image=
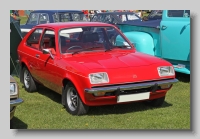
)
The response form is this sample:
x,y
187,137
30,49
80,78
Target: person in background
x,y
91,13
27,13
86,13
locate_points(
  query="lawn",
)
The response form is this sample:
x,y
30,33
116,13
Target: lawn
x,y
23,19
43,110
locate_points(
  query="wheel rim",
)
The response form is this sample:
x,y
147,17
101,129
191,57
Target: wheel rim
x,y
72,99
26,79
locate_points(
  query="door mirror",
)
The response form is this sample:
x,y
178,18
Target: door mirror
x,y
48,51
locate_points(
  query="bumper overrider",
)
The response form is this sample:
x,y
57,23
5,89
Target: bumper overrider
x,y
133,86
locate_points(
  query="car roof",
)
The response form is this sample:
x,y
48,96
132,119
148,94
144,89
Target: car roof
x,y
72,24
116,13
55,11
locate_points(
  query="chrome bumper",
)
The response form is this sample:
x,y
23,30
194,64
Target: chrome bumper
x,y
15,102
131,86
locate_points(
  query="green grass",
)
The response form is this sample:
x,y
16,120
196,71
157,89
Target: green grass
x,y
23,19
43,110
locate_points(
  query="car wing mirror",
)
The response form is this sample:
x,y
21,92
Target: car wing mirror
x,y
48,51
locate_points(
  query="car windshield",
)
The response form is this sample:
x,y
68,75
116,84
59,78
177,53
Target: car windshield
x,y
156,14
75,40
128,17
66,17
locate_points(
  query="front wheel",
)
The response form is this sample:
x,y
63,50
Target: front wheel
x,y
156,102
73,103
29,83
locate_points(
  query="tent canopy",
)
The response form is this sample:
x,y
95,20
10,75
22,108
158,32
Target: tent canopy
x,y
15,39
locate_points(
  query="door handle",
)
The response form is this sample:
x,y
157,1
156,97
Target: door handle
x,y
37,55
163,27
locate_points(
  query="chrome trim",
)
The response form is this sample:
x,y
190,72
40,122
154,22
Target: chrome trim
x,y
16,102
130,86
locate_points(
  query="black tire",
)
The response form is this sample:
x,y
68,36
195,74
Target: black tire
x,y
29,84
155,102
73,103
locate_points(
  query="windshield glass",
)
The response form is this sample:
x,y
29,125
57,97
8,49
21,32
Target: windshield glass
x,y
128,17
81,39
155,14
66,17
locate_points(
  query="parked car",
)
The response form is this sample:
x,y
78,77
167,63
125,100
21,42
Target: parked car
x,y
167,38
78,61
51,16
14,96
116,17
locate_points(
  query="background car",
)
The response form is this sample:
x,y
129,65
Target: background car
x,y
167,38
116,17
51,16
14,96
79,61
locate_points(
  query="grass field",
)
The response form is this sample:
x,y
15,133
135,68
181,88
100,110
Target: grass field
x,y
43,110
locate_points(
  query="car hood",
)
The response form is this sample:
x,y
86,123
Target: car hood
x,y
113,60
121,67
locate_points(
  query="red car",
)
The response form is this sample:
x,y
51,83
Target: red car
x,y
88,67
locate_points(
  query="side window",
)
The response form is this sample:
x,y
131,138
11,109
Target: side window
x,y
110,19
44,18
94,19
48,41
34,39
187,13
175,13
100,18
33,18
122,17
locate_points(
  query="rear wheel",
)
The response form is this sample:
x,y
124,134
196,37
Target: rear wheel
x,y
29,84
73,103
156,102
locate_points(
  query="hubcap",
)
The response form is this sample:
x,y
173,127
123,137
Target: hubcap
x,y
26,79
72,99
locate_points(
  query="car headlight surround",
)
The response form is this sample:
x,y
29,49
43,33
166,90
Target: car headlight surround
x,y
98,78
166,71
13,89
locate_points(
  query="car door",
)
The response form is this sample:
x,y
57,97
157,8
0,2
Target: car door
x,y
32,51
175,35
49,74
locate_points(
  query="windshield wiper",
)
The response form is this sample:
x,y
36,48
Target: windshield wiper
x,y
76,52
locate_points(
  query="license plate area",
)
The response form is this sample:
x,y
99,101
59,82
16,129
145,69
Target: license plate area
x,y
133,97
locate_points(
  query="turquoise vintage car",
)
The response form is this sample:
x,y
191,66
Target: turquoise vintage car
x,y
167,38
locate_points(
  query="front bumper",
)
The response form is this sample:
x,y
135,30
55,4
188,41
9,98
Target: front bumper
x,y
15,102
131,86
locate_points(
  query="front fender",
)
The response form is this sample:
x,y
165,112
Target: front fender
x,y
142,41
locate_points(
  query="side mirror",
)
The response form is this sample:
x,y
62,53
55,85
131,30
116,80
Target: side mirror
x,y
48,51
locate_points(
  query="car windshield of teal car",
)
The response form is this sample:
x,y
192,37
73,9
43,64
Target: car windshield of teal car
x,y
81,39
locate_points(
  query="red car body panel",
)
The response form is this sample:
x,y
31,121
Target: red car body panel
x,y
122,66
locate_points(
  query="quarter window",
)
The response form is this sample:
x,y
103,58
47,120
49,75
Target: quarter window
x,y
34,39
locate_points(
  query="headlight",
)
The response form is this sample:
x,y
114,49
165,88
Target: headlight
x,y
96,78
13,89
166,71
